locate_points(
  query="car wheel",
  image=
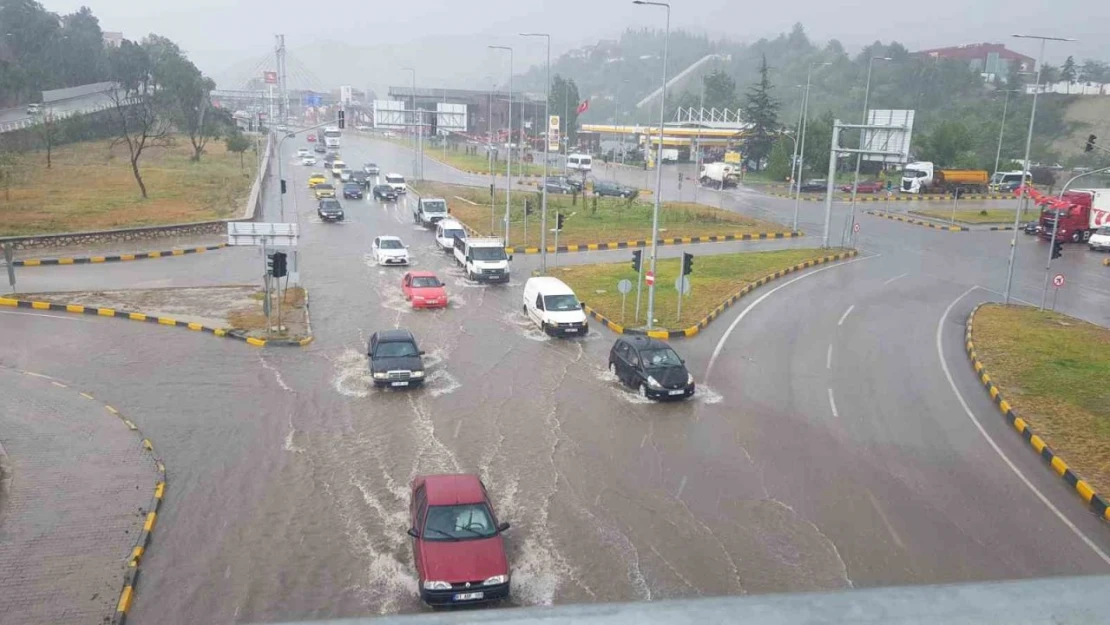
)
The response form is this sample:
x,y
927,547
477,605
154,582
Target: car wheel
x,y
470,275
644,391
613,370
1076,236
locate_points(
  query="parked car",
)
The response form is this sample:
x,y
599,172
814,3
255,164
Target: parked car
x,y
613,189
570,181
651,367
352,191
395,359
815,186
457,543
371,169
424,290
308,160
316,178
865,186
319,149
559,186
330,209
389,250
324,190
385,192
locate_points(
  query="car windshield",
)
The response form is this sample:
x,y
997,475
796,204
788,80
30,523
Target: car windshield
x,y
559,303
461,522
435,206
1104,231
371,166
660,357
395,349
454,233
426,282
488,253
913,173
390,244
351,187
395,179
330,205
384,188
324,187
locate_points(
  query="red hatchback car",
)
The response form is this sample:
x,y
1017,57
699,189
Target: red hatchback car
x,y
424,290
456,541
865,186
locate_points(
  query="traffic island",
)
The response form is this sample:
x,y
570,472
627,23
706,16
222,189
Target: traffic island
x,y
716,283
1050,369
595,223
1003,217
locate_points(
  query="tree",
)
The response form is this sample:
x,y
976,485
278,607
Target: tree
x,y
1068,70
238,143
187,94
950,144
761,111
818,145
778,163
720,91
564,103
49,131
1094,71
139,116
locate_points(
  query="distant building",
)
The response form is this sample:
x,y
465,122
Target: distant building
x,y
113,39
989,59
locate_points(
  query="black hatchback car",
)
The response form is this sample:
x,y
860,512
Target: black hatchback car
x,y
651,367
385,192
613,189
352,191
395,360
330,210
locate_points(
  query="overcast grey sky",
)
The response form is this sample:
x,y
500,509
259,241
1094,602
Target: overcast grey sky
x,y
365,43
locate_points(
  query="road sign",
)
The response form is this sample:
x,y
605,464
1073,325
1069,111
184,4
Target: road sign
x,y
682,285
553,133
624,286
270,78
251,233
855,228
649,278
1058,280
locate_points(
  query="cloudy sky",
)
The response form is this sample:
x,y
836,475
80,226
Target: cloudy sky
x,y
365,43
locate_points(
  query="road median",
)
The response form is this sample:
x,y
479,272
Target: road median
x,y
1053,369
110,258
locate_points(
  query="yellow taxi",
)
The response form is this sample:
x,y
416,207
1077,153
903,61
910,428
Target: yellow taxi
x,y
324,190
315,179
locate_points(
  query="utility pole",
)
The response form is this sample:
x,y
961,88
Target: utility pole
x,y
546,148
859,155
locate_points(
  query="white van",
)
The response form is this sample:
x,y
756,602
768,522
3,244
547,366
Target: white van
x,y
580,162
447,230
552,305
397,181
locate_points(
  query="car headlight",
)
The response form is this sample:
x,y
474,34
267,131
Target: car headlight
x,y
380,375
652,382
496,579
689,378
431,585
417,374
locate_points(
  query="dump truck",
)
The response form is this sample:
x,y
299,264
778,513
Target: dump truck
x,y
922,177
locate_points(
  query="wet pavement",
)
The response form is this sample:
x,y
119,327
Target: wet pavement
x,y
824,449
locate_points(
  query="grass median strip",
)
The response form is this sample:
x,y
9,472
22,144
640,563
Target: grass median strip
x,y
970,216
614,219
1052,369
714,279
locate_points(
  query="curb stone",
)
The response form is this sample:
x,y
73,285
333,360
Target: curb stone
x,y
82,260
918,222
1095,502
732,299
898,198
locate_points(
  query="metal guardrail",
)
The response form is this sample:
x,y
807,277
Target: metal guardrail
x,y
29,121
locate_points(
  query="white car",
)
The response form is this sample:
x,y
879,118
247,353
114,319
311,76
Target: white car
x,y
447,230
390,251
308,160
1100,240
303,152
397,181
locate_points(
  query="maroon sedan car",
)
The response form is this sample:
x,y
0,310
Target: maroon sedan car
x,y
865,186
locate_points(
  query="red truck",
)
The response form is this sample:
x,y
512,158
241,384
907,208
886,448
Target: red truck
x,y
1087,211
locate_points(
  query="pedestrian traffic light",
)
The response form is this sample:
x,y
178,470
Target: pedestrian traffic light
x,y
1090,143
559,219
687,263
1057,250
342,119
527,206
270,264
637,257
283,186
280,268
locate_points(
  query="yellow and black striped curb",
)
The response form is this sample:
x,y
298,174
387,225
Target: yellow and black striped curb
x,y
981,228
536,183
732,299
896,198
918,222
142,542
621,245
111,258
165,321
1095,502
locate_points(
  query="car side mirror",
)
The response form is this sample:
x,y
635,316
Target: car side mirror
x,y
510,258
412,532
504,525
583,305
421,352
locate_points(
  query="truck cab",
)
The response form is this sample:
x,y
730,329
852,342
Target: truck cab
x,y
429,210
483,258
917,177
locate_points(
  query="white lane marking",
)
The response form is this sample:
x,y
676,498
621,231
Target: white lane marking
x,y
979,426
886,521
59,317
895,278
845,315
744,313
828,358
832,404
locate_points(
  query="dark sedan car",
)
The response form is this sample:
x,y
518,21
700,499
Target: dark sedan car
x,y
574,183
1031,227
613,189
352,191
558,186
395,359
651,367
330,210
814,186
385,192
361,178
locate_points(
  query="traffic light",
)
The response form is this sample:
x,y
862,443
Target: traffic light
x,y
342,119
279,267
1057,250
1090,143
637,257
687,263
283,186
559,219
434,125
527,206
270,264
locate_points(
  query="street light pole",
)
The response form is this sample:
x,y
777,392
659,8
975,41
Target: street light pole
x,y
859,155
546,148
802,147
794,158
1001,129
658,162
509,155
415,141
1025,161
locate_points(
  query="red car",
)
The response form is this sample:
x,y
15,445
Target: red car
x,y
865,186
311,138
456,541
424,290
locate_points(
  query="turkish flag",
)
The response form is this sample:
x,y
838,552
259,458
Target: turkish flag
x,y
584,106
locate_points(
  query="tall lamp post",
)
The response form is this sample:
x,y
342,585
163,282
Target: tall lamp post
x,y
1002,126
794,156
658,160
546,147
1025,161
509,155
416,137
802,147
859,155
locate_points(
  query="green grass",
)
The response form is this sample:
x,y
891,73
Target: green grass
x,y
91,187
976,216
1053,370
614,220
714,279
459,159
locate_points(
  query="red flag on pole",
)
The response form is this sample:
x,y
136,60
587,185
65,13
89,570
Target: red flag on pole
x,y
584,106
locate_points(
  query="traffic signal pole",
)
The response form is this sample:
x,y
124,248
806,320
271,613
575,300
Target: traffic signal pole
x,y
1048,263
639,260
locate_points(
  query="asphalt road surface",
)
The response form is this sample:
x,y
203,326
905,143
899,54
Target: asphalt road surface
x,y
837,438
81,104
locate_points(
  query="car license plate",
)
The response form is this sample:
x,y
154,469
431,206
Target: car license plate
x,y
572,329
469,596
676,392
398,383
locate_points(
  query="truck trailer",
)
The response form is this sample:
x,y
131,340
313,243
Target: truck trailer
x,y
1087,211
922,177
